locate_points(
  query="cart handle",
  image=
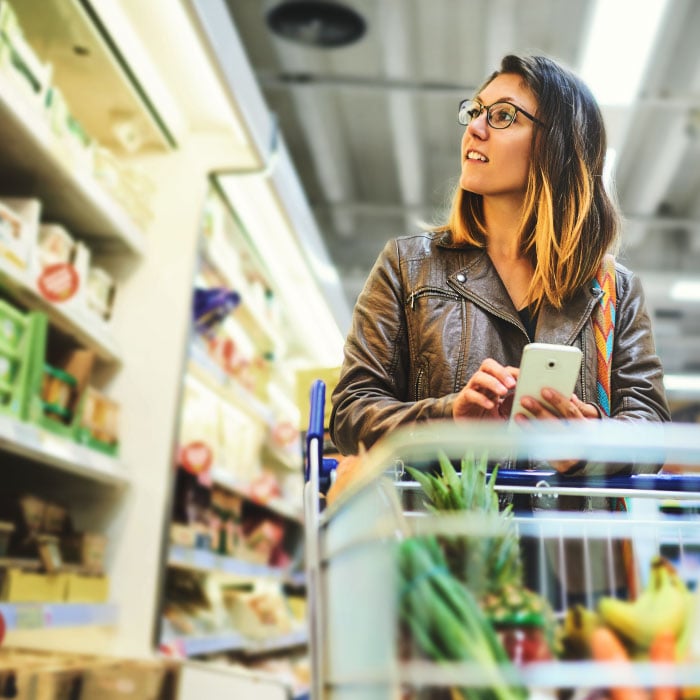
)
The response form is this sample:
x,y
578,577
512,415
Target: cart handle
x,y
651,482
314,437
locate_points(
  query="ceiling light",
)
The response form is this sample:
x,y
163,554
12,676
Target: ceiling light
x,y
320,24
616,81
685,290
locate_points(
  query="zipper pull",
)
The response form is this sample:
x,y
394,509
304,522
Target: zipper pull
x,y
413,300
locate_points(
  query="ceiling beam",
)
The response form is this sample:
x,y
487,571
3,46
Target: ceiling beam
x,y
318,117
403,118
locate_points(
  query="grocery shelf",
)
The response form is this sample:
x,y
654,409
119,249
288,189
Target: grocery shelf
x,y
218,382
252,319
204,560
30,153
30,441
232,641
86,328
280,506
33,616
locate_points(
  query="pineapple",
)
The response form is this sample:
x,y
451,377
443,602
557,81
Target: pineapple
x,y
490,567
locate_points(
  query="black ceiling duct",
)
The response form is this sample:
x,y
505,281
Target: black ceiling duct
x,y
315,23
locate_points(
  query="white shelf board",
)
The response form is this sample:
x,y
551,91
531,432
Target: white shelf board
x,y
232,641
30,441
203,560
87,328
33,616
29,153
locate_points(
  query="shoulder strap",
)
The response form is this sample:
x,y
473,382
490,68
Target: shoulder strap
x,y
604,329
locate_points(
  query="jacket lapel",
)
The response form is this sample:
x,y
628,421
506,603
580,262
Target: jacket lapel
x,y
479,282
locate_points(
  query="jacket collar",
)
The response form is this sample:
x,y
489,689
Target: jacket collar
x,y
480,283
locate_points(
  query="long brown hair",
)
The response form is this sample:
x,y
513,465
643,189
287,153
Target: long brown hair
x,y
569,221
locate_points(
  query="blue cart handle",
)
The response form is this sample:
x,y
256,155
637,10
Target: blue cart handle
x,y
318,400
316,433
646,482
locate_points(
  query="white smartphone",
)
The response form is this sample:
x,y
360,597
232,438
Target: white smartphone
x,y
545,365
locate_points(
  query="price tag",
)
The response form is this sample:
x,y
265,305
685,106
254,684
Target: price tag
x,y
26,434
190,556
30,617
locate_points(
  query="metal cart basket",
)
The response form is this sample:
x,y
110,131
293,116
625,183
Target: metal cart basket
x,y
361,644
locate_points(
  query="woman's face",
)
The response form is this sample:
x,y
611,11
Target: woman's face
x,y
495,162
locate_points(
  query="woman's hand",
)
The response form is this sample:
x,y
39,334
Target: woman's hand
x,y
571,408
488,393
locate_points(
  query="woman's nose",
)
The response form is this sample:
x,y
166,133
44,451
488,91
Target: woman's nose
x,y
479,127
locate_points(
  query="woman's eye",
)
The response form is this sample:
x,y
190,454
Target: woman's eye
x,y
502,116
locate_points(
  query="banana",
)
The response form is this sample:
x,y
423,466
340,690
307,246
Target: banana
x,y
661,607
579,624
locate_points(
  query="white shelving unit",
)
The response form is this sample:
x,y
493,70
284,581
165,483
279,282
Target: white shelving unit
x,y
140,352
68,195
208,381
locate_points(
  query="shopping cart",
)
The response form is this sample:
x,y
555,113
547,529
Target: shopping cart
x,y
358,641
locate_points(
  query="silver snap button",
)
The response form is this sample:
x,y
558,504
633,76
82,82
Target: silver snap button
x,y
461,278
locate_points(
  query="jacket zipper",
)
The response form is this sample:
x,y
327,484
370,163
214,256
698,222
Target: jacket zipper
x,y
419,384
434,291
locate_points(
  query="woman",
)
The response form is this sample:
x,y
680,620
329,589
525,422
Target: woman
x,y
440,326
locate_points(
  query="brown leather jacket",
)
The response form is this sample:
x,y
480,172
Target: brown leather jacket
x,y
431,312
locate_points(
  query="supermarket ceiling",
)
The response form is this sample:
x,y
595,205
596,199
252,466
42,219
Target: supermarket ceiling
x,y
372,128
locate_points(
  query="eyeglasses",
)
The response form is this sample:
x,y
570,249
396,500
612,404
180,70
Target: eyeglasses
x,y
499,115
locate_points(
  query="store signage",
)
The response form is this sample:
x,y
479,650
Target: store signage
x,y
196,457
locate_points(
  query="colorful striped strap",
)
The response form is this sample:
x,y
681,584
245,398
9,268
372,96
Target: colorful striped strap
x,y
604,332
604,329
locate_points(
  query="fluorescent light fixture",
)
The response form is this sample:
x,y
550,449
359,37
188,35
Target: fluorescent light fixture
x,y
686,383
685,290
617,50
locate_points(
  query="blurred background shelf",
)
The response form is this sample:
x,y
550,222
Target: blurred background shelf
x,y
232,641
203,560
86,328
31,164
33,616
30,441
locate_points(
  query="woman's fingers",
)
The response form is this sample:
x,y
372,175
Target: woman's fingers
x,y
485,390
559,406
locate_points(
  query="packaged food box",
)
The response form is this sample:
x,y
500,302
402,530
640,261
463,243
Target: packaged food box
x,y
54,245
86,549
99,419
21,586
19,226
101,289
6,530
82,588
18,61
13,324
57,394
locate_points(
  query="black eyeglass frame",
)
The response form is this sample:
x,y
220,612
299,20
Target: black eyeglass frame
x,y
488,112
